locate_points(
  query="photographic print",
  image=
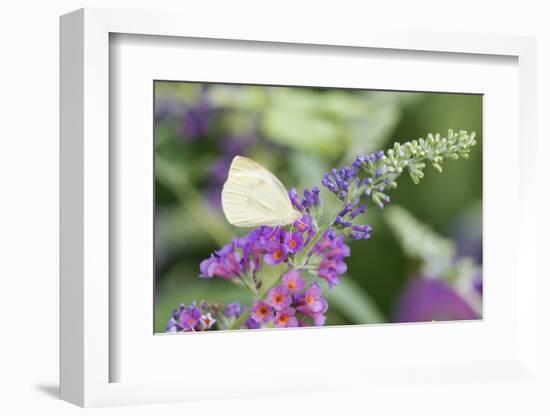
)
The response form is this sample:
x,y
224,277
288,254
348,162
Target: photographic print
x,y
291,207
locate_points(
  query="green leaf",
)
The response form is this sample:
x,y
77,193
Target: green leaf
x,y
419,242
353,302
302,131
252,98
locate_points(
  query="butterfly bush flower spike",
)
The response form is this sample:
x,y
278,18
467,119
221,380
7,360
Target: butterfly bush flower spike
x,y
298,239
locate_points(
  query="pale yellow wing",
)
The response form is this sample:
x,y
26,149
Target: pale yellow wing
x,y
253,196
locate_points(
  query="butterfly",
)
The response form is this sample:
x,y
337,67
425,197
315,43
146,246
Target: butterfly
x,y
253,196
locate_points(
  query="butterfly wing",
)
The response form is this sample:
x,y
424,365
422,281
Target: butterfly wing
x,y
253,196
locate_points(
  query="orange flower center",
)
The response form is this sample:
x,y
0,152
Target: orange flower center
x,y
310,299
263,311
291,284
283,319
278,255
292,244
278,299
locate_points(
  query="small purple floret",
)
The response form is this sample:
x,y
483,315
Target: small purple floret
x,y
293,282
261,312
285,318
276,253
294,242
233,310
279,297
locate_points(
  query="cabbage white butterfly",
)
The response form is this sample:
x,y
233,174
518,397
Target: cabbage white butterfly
x,y
253,196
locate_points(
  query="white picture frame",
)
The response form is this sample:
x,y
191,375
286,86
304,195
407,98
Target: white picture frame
x,y
87,356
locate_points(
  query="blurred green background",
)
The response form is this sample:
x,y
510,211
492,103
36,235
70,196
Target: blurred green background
x,y
300,133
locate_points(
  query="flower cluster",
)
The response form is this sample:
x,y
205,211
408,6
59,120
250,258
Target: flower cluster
x,y
242,258
330,253
344,221
291,304
234,311
190,319
311,244
347,185
311,199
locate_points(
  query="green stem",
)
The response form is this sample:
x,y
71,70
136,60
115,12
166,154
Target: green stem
x,y
299,263
318,235
247,280
240,321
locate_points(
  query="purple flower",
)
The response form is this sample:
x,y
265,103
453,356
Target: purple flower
x,y
294,196
319,319
233,310
332,251
269,235
185,319
206,321
261,312
431,299
293,282
338,180
313,304
276,253
366,161
344,221
357,211
330,271
294,242
360,232
233,260
279,297
189,319
251,251
225,263
251,324
312,301
285,318
304,224
311,199
345,184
